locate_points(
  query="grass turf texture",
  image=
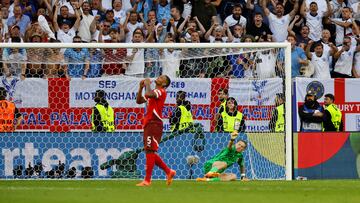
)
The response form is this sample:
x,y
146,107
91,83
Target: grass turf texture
x,y
99,191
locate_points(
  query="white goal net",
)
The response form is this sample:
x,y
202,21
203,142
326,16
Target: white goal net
x,y
53,87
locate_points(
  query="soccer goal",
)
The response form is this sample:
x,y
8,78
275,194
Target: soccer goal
x,y
53,86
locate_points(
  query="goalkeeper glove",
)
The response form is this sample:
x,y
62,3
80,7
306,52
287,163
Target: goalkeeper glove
x,y
234,135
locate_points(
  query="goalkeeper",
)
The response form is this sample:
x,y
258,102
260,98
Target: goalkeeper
x,y
215,167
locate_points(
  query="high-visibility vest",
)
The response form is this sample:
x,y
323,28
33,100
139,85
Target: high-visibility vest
x,y
229,121
185,120
7,116
107,118
280,121
335,115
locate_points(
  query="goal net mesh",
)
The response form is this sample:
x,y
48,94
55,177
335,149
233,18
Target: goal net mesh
x,y
53,89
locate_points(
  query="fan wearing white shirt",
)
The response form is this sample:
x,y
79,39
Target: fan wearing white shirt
x,y
217,33
345,57
170,59
131,23
343,25
136,67
314,18
66,33
279,23
319,59
236,17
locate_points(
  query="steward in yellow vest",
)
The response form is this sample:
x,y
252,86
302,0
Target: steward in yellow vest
x,y
277,120
223,95
102,117
181,117
231,119
332,115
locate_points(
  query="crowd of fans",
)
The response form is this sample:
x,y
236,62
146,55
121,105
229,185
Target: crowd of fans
x,y
324,35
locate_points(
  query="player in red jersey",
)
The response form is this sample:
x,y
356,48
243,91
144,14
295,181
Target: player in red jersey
x,y
153,126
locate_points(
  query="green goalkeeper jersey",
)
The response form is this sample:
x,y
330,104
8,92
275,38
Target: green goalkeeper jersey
x,y
230,156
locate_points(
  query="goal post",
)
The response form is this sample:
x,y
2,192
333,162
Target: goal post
x,y
207,55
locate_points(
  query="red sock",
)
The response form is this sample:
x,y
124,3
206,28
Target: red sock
x,y
159,162
150,162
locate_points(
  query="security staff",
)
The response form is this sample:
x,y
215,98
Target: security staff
x,y
311,114
8,113
102,118
277,120
223,95
332,116
181,118
231,119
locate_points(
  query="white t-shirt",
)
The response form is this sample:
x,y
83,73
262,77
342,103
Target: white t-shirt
x,y
356,10
126,5
121,15
84,29
326,51
315,25
171,63
340,31
265,64
66,37
231,21
137,66
131,28
345,61
187,10
278,27
322,7
106,4
357,62
212,39
336,8
321,66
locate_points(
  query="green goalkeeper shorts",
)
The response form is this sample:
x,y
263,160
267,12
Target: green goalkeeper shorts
x,y
208,166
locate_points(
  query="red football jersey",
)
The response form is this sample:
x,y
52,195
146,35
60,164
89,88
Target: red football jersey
x,y
155,105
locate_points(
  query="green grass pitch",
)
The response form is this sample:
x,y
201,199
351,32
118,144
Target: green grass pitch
x,y
101,191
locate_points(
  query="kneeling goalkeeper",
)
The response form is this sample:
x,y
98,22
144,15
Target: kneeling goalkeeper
x,y
215,167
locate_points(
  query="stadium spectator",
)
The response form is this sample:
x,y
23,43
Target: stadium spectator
x,y
192,25
219,33
8,113
64,14
236,17
314,18
237,32
356,10
231,119
96,62
181,117
36,57
320,59
54,67
87,25
19,19
97,9
343,25
279,21
205,11
136,57
258,29
325,41
119,12
170,59
332,115
163,11
152,64
66,32
345,57
14,61
311,114
336,7
265,64
175,21
78,61
132,23
298,57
